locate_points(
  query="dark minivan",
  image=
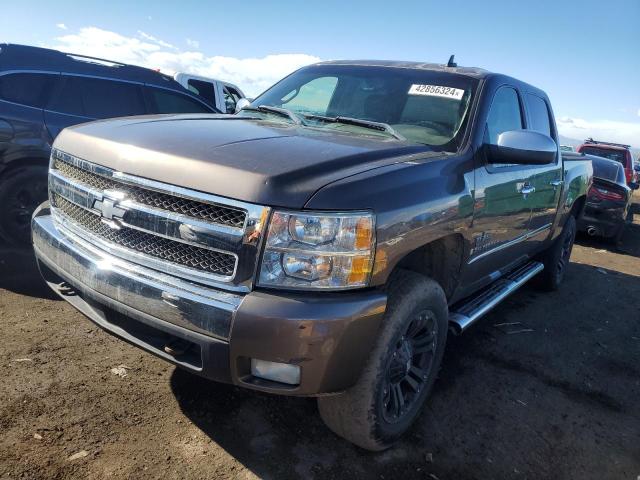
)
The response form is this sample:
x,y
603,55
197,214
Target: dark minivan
x,y
43,91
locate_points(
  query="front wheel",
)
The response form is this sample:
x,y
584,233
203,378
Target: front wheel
x,y
20,193
401,369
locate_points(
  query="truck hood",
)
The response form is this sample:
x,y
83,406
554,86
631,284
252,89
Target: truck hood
x,y
268,163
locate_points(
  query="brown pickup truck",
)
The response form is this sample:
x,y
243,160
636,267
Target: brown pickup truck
x,y
324,239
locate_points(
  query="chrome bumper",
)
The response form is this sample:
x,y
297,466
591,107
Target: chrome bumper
x,y
329,335
122,284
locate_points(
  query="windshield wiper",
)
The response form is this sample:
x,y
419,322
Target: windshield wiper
x,y
379,126
278,111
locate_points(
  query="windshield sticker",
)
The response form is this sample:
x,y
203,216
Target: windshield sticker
x,y
436,91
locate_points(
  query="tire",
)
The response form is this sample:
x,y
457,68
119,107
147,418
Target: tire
x,y
629,219
21,191
369,413
616,238
556,258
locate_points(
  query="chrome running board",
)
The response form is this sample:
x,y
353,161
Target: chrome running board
x,y
466,312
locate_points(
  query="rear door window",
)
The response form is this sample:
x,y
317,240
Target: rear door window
x,y
167,101
97,98
29,89
538,114
67,99
108,98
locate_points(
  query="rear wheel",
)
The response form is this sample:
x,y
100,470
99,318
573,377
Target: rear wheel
x,y
20,193
401,370
556,258
616,238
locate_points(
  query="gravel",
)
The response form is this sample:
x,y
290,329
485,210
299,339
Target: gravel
x,y
545,386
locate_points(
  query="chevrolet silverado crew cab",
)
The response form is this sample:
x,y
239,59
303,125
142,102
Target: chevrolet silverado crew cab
x,y
322,241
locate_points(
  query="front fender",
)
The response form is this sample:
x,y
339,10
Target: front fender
x,y
416,203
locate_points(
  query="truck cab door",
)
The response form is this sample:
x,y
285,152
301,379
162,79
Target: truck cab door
x,y
546,180
502,208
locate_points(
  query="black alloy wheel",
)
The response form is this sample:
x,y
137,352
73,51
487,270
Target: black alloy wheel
x,y
565,251
409,366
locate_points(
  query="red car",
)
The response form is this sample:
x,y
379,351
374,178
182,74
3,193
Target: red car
x,y
613,151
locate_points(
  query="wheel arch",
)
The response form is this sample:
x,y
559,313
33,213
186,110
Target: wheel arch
x,y
23,162
440,259
578,206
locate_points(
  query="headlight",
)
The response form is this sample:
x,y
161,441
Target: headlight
x,y
318,250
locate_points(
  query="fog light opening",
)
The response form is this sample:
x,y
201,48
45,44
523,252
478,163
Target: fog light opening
x,y
276,372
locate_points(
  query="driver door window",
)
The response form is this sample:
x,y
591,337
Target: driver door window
x,y
505,114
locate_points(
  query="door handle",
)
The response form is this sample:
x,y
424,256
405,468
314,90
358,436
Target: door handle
x,y
556,183
527,190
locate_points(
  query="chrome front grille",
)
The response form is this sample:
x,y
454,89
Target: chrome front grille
x,y
169,250
211,213
192,235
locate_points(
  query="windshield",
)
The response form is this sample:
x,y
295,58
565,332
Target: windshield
x,y
422,106
617,155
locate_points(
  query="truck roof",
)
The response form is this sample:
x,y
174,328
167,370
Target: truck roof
x,y
469,71
474,72
26,57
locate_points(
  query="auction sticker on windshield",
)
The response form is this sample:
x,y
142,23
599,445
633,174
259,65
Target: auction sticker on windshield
x,y
436,91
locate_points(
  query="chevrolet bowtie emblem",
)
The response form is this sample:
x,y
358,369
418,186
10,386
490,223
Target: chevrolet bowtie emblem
x,y
110,212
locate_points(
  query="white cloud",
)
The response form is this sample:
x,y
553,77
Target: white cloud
x,y
193,43
61,26
153,39
639,112
606,130
252,75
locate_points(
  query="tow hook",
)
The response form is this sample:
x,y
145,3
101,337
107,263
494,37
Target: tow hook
x,y
175,348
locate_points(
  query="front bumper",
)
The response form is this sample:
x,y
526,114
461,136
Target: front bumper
x,y
328,334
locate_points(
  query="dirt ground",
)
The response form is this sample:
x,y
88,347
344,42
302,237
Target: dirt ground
x,y
555,395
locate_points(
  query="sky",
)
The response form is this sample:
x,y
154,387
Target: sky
x,y
584,53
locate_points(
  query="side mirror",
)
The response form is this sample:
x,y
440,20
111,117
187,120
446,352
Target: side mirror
x,y
242,103
524,147
634,185
637,167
